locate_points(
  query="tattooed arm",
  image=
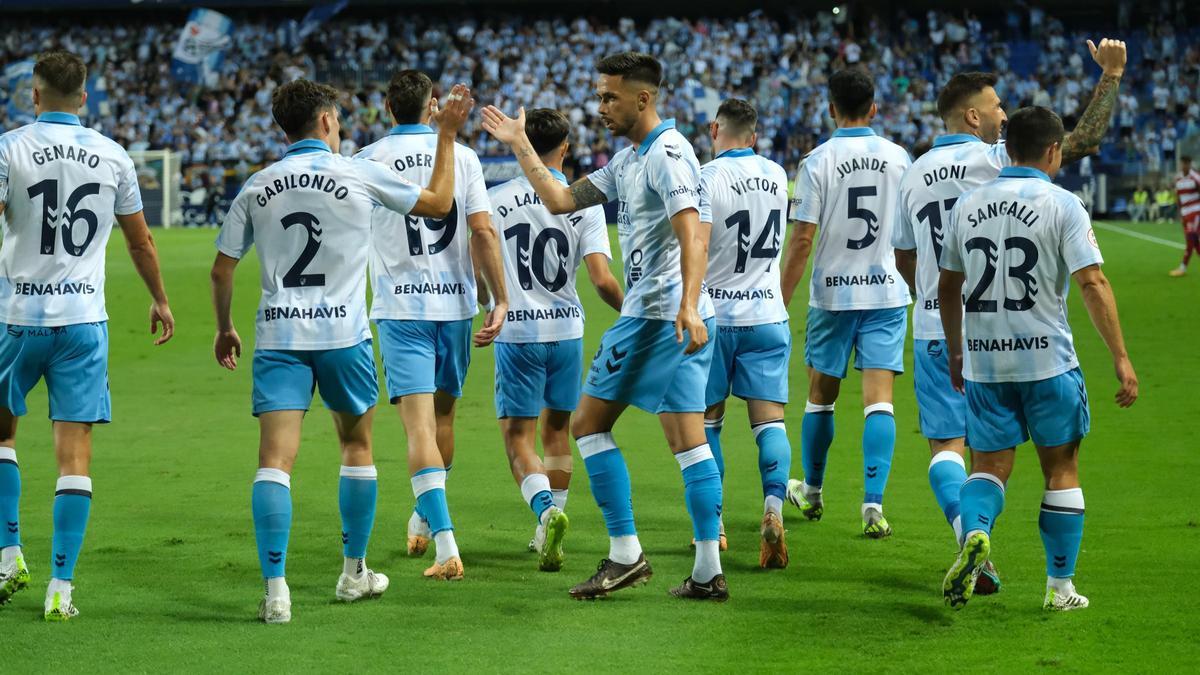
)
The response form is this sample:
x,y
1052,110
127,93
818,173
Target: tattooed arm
x,y
1093,123
557,197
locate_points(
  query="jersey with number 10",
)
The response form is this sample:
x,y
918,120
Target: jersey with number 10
x,y
542,253
848,186
1018,240
61,183
745,199
929,189
309,215
421,267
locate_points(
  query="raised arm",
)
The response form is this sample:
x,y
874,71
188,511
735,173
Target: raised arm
x,y
145,259
227,346
1093,123
693,263
795,258
557,197
1102,307
950,285
437,198
606,285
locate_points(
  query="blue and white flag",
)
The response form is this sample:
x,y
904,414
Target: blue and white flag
x,y
17,82
201,47
317,16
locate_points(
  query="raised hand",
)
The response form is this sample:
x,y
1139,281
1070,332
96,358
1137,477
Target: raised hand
x,y
452,117
1110,56
504,128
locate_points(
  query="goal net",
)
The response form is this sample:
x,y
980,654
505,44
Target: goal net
x,y
159,179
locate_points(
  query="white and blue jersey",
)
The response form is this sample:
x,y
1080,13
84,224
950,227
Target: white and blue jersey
x,y
651,183
309,218
62,185
929,189
542,253
745,200
421,267
1018,240
639,361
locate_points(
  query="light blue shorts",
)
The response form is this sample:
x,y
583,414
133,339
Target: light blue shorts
x,y
534,376
421,357
286,379
1003,415
875,335
74,361
751,362
640,363
943,410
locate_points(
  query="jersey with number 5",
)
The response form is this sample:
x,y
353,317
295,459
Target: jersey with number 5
x,y
929,189
1018,240
745,198
848,186
61,184
309,215
421,267
542,253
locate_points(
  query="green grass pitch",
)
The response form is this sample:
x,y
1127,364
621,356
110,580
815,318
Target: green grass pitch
x,y
169,581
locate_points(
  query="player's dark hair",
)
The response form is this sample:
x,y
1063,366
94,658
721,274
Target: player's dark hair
x,y
297,104
635,66
546,129
61,71
1185,158
960,88
738,115
852,92
408,95
1031,130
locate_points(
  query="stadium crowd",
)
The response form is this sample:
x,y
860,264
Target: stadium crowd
x,y
779,63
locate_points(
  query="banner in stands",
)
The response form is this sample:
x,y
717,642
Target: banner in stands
x,y
16,84
201,47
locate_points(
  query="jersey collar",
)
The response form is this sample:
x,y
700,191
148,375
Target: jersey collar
x,y
307,145
562,178
657,131
955,139
737,152
408,129
1023,172
853,132
59,118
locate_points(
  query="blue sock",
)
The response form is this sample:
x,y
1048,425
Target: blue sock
x,y
774,457
358,489
271,503
946,476
981,500
816,435
429,486
10,499
712,432
609,480
72,505
702,492
536,491
1061,523
879,443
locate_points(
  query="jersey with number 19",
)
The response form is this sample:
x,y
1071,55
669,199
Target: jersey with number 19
x,y
745,199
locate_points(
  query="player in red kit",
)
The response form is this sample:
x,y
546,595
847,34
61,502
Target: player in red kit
x,y
1187,187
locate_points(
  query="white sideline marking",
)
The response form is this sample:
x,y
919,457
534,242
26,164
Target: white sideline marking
x,y
1139,235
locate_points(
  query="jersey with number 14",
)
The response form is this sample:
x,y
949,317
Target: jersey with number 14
x,y
421,267
848,186
309,216
1018,240
61,184
929,189
542,253
745,198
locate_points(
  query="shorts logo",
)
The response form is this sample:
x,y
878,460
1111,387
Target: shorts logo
x,y
15,331
617,356
935,349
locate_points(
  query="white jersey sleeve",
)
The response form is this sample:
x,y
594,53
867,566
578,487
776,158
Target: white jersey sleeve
x,y
476,188
604,180
388,188
236,236
593,234
1079,247
63,186
808,192
675,180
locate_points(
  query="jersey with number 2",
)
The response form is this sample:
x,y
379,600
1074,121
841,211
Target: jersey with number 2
x,y
61,184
